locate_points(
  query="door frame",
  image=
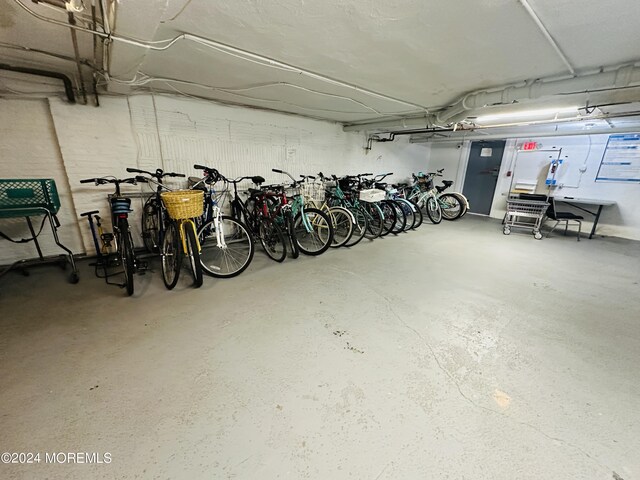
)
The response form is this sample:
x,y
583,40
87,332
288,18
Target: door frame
x,y
509,144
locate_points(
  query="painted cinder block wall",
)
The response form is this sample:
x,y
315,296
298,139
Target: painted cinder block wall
x,y
75,142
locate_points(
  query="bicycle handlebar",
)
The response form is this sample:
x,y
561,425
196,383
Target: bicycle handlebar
x,y
104,180
159,174
277,170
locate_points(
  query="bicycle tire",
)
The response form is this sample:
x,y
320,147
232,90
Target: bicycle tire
x,y
127,255
319,239
359,227
451,206
291,235
434,212
231,259
342,222
151,226
418,216
272,240
193,253
390,216
375,220
171,256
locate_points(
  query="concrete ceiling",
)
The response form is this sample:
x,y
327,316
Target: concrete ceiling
x,y
390,60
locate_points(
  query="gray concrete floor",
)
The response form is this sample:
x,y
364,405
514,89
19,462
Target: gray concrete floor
x,y
450,352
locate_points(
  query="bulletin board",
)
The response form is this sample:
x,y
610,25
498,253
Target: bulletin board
x,y
621,159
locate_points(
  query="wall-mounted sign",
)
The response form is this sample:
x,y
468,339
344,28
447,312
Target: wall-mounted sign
x,y
621,159
528,146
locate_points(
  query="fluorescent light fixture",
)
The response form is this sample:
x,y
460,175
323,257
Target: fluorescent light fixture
x,y
527,114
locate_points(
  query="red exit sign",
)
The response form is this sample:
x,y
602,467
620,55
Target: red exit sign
x,y
528,146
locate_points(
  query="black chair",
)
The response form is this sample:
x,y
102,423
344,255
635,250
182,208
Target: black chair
x,y
563,217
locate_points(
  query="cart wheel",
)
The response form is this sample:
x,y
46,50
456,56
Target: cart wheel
x,y
506,230
537,235
74,278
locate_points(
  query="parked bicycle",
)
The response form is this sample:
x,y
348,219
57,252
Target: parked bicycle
x,y
154,217
120,207
438,205
227,246
181,237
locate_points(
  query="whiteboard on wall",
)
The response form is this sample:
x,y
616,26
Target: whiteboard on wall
x,y
621,159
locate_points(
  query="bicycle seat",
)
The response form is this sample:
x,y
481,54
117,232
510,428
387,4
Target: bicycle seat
x,y
381,186
92,212
447,183
254,191
257,179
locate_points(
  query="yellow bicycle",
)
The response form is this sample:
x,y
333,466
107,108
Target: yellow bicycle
x,y
180,236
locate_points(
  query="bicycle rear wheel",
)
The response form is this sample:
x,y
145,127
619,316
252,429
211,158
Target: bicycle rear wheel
x,y
171,256
313,232
127,255
343,225
451,206
232,254
272,240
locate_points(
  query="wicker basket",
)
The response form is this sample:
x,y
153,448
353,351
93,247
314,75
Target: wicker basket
x,y
184,203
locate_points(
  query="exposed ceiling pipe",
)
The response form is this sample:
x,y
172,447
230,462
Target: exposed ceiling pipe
x,y
621,76
68,86
547,35
520,134
76,51
44,52
613,78
221,47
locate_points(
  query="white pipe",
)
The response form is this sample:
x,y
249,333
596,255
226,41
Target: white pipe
x,y
233,51
547,35
616,77
521,134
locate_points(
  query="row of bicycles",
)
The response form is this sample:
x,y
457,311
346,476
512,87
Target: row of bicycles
x,y
212,228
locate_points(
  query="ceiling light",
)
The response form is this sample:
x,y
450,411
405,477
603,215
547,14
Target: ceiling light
x,y
527,114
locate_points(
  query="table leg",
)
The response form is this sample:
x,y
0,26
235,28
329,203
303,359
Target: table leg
x,y
595,221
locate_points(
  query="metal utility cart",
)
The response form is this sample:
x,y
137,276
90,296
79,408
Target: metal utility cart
x,y
525,213
26,198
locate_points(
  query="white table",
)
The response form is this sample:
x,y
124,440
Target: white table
x,y
577,201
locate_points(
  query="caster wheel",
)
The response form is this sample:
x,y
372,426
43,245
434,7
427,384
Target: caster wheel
x,y
74,278
537,235
506,231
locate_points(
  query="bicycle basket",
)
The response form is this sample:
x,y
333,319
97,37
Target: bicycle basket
x,y
372,195
184,203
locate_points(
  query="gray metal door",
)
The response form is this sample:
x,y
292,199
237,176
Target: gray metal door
x,y
482,175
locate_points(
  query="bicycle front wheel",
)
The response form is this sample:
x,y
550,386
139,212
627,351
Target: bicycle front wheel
x,y
359,227
390,216
171,256
313,231
272,240
127,255
375,220
193,253
434,212
343,226
226,250
151,225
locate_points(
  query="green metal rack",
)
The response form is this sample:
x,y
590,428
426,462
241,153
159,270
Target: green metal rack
x,y
26,198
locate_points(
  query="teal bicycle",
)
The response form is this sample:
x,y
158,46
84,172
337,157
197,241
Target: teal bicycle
x,y
347,194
